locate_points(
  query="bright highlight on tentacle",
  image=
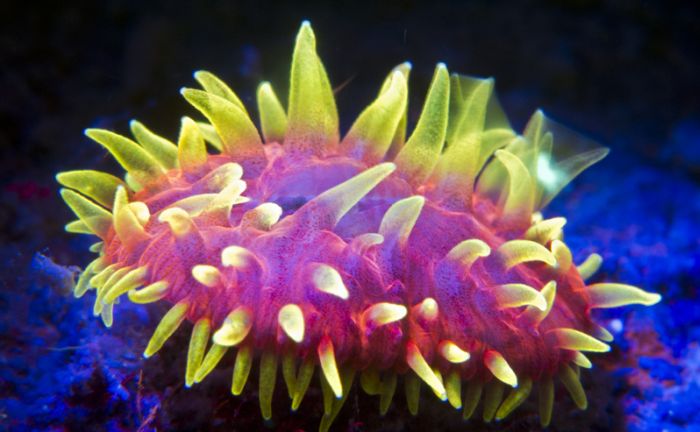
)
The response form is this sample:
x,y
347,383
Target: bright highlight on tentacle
x,y
198,345
519,202
575,340
582,361
211,359
160,148
419,156
562,254
97,219
384,313
150,293
239,136
610,295
453,353
334,203
327,279
236,256
468,251
535,314
313,118
96,185
590,266
235,327
400,219
291,319
544,231
515,252
264,216
191,149
326,358
273,119
428,309
167,326
371,136
127,222
417,363
135,278
500,368
179,221
516,295
135,160
206,275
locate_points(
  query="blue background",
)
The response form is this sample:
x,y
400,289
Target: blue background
x,y
624,73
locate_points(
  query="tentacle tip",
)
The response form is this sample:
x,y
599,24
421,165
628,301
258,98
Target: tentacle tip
x,y
389,167
541,303
653,299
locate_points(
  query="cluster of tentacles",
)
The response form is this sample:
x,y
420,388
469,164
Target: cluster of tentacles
x,y
307,251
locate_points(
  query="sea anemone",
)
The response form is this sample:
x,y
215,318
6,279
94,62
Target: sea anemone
x,y
424,260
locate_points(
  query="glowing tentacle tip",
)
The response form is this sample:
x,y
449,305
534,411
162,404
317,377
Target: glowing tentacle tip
x,y
468,251
291,319
515,252
235,327
384,313
264,216
428,308
236,256
150,293
327,279
417,363
575,340
610,295
590,266
517,294
500,368
167,326
453,353
178,219
326,357
206,275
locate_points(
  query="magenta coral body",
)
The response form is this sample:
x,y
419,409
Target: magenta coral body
x,y
284,257
436,267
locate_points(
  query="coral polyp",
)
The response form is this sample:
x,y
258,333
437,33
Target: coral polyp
x,y
422,260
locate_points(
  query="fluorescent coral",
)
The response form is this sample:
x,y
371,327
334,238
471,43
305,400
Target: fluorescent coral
x,y
422,259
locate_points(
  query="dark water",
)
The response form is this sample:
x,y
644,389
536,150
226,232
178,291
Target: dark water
x,y
625,73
